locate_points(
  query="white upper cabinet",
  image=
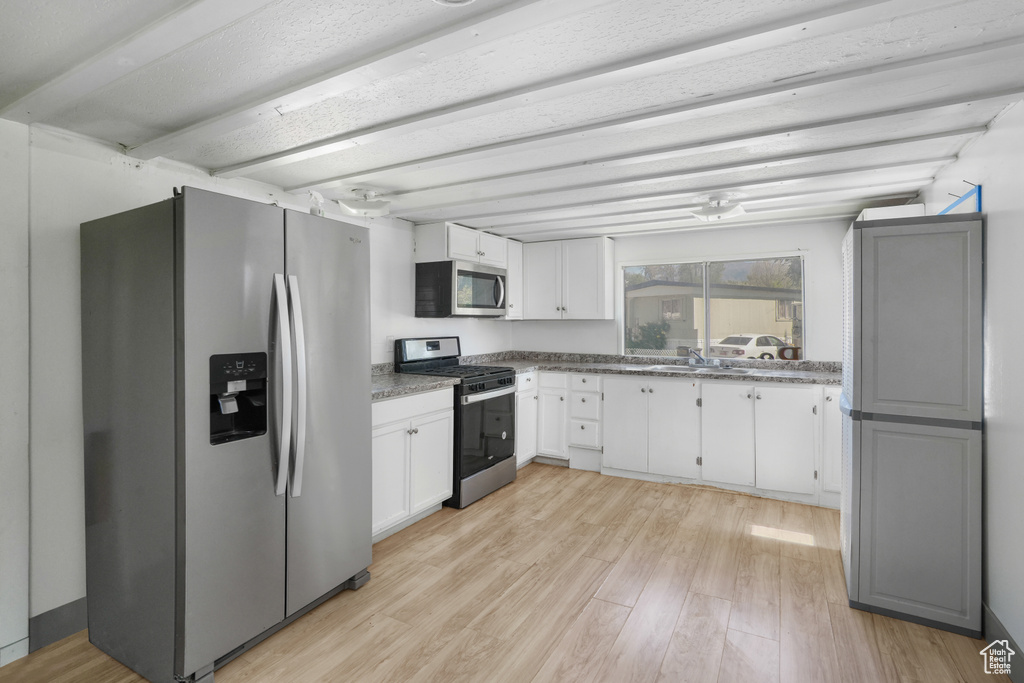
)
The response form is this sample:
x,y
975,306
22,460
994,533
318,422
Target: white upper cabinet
x,y
514,282
542,281
569,280
452,242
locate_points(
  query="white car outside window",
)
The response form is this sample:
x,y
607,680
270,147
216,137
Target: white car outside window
x,y
745,345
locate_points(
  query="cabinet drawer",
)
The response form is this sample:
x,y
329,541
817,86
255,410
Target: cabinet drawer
x,y
526,381
406,407
585,405
554,380
585,434
585,382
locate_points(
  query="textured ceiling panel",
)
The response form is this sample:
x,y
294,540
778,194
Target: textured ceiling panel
x,y
603,115
287,43
39,41
455,80
685,139
914,87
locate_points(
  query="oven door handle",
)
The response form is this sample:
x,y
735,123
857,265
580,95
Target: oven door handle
x,y
476,398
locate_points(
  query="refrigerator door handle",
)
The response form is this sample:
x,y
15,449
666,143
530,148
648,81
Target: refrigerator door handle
x,y
301,377
285,426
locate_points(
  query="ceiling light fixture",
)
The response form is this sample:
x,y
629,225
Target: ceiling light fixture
x,y
365,203
717,210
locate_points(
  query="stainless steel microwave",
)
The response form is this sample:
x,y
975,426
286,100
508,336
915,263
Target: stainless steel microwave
x,y
458,288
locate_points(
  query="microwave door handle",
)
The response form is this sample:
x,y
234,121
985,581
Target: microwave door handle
x,y
285,425
500,299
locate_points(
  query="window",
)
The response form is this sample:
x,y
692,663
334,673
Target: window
x,y
722,309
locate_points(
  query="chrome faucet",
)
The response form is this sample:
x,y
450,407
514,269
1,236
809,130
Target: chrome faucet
x,y
696,354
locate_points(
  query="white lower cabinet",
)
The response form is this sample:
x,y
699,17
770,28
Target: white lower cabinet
x,y
727,433
652,426
413,450
585,412
785,422
552,414
831,442
673,437
526,417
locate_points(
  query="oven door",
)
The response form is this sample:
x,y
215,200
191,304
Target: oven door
x,y
477,290
487,434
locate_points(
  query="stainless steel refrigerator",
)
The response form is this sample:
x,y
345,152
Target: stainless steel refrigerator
x,y
911,506
226,393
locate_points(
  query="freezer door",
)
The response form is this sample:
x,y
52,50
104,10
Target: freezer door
x,y
231,528
329,536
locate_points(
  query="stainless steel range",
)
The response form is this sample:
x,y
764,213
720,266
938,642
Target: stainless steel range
x,y
485,415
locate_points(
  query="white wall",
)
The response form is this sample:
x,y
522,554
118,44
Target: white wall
x,y
819,243
393,301
14,349
996,161
74,180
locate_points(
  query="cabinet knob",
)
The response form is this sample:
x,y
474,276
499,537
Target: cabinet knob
x,y
582,427
408,431
529,379
748,395
650,391
511,305
758,397
534,398
828,398
584,380
643,390
583,400
561,398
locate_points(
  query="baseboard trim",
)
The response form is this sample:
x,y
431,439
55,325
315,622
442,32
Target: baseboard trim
x,y
914,619
14,651
994,630
57,624
551,460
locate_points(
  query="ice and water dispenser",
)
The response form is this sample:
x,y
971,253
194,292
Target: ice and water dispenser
x,y
238,396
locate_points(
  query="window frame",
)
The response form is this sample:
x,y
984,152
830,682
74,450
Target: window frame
x,y
620,290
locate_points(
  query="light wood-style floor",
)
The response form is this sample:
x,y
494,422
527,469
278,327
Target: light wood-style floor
x,y
567,575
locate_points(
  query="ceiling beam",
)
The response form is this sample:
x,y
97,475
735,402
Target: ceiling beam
x,y
157,40
652,154
853,194
681,216
700,225
520,144
717,169
476,30
815,23
692,192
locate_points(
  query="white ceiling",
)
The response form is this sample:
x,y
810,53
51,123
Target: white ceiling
x,y
534,119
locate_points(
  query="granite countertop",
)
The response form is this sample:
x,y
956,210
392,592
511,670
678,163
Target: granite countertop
x,y
754,374
387,384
